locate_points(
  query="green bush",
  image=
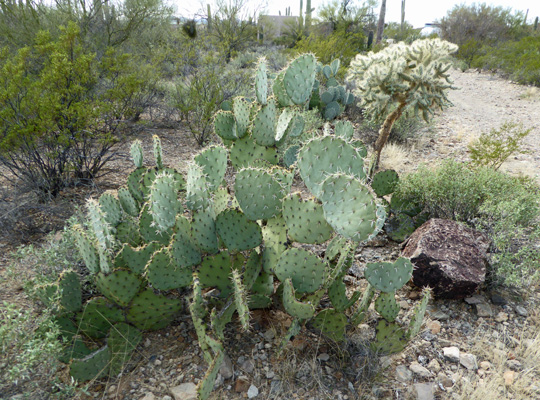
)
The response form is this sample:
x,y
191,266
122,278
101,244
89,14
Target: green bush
x,y
504,207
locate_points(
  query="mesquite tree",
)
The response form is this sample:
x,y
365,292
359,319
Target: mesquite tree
x,y
402,77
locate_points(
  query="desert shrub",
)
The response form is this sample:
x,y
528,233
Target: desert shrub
x,y
519,60
503,206
407,34
60,110
493,148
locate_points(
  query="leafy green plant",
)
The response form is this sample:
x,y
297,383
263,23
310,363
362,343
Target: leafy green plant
x,y
493,149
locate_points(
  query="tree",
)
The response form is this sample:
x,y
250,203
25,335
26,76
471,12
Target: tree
x,y
401,77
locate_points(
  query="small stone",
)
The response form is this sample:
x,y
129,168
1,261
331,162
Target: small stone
x,y
323,357
434,365
485,365
476,299
157,362
185,391
270,374
445,380
248,366
509,377
166,397
419,370
404,305
501,317
112,389
242,384
468,361
484,310
403,374
414,295
149,396
147,343
226,369
252,392
451,353
434,327
269,335
498,300
522,311
514,365
439,315
424,391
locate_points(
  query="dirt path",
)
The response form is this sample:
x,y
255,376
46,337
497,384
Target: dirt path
x,y
482,102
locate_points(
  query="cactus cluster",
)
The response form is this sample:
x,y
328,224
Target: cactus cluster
x,y
163,233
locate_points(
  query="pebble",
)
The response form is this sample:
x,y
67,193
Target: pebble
x,y
439,315
424,391
522,311
226,369
476,299
484,310
185,391
485,365
445,380
498,300
269,335
468,361
403,374
323,357
434,327
514,365
419,370
509,377
404,304
248,366
252,392
242,384
434,365
149,396
157,362
451,353
167,398
501,317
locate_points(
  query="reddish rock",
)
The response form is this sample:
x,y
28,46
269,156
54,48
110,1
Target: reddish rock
x,y
448,257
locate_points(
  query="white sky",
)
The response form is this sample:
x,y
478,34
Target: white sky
x,y
417,12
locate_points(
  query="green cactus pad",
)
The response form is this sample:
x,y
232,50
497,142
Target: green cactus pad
x,y
151,311
93,366
399,227
134,184
284,121
344,129
337,292
128,203
74,350
218,319
259,301
225,125
296,126
135,258
387,306
71,292
197,189
299,78
389,277
206,385
240,299
213,161
284,176
293,330
203,231
264,124
97,317
221,199
361,312
390,338
258,193
295,308
264,284
327,155
327,96
306,270
305,220
66,327
147,180
385,182
137,153
331,111
237,231
290,155
418,315
158,153
184,252
110,205
102,230
127,231
252,269
327,71
275,237
331,323
87,250
335,66
214,271
398,204
163,200
242,109
122,341
120,286
349,207
261,82
335,247
162,273
245,152
279,91
148,230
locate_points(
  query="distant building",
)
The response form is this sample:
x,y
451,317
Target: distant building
x,y
431,28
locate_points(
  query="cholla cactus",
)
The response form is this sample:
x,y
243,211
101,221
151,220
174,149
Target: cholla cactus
x,y
399,77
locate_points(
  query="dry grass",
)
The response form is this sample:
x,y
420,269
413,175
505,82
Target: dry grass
x,y
397,157
532,93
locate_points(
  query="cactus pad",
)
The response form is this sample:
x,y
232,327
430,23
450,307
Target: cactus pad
x,y
101,228
213,161
275,238
331,111
183,250
264,124
110,205
240,299
349,207
241,108
214,271
418,315
294,307
198,189
120,286
237,231
164,204
385,182
337,292
135,258
245,151
331,323
344,129
324,156
258,193
97,317
300,77
206,385
225,125
137,153
122,341
203,231
127,231
93,366
284,120
87,250
390,338
158,153
290,155
279,91
296,126
148,231
305,220
151,311
261,82
306,270
388,277
134,184
387,306
164,275
128,203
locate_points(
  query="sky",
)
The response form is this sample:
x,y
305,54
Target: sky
x,y
417,12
